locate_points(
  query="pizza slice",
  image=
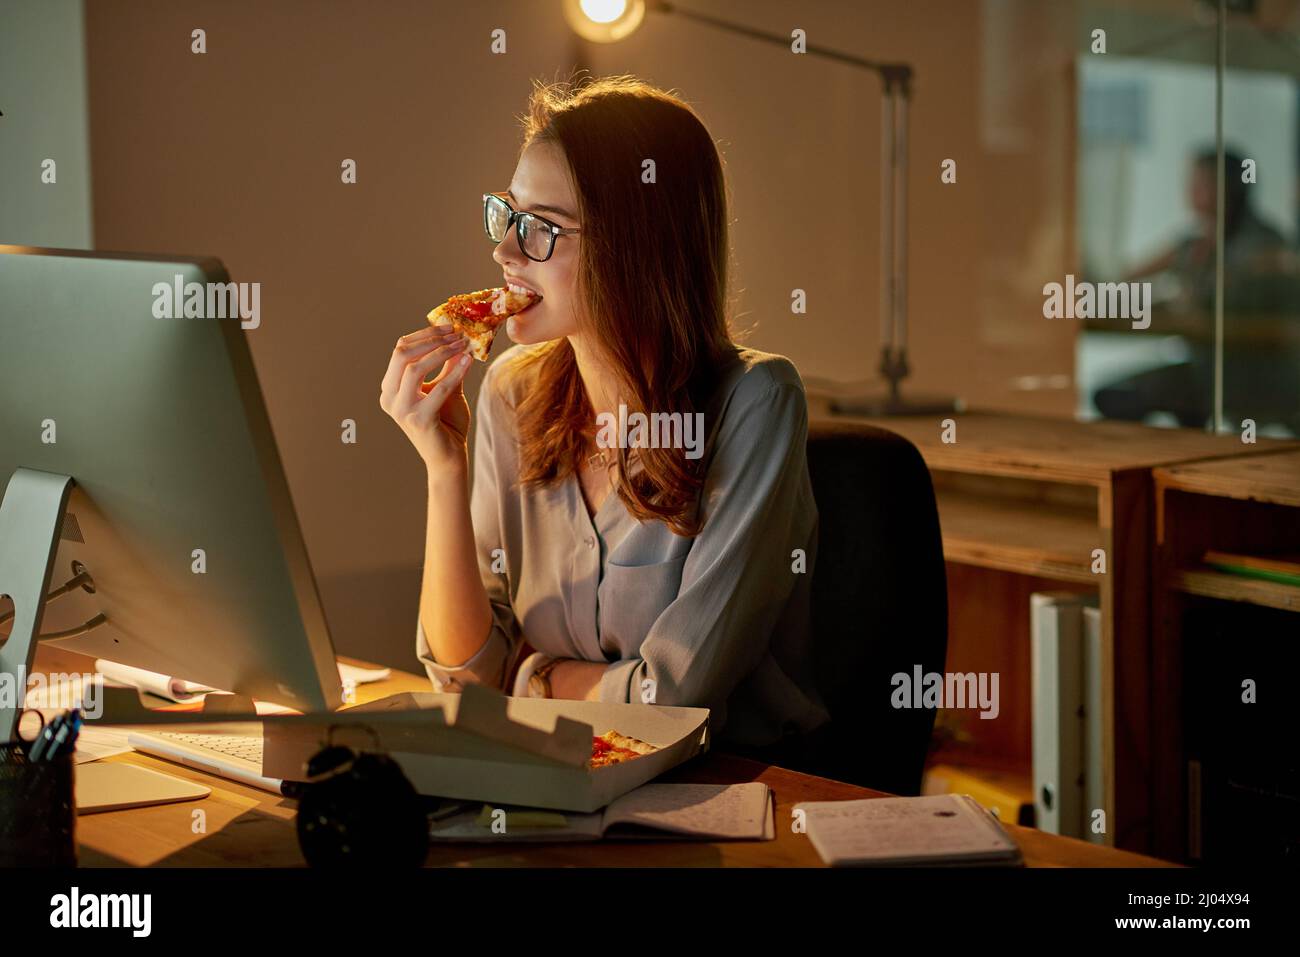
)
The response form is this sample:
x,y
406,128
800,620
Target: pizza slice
x,y
614,748
478,315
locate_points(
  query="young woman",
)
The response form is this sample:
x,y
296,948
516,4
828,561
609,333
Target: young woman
x,y
671,575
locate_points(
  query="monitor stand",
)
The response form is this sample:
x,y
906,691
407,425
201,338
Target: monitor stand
x,y
31,523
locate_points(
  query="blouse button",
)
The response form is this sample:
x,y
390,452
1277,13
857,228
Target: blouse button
x,y
591,542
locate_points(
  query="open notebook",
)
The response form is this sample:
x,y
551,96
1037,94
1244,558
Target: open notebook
x,y
668,812
935,830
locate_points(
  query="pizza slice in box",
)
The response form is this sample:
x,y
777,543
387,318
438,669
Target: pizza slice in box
x,y
478,315
615,748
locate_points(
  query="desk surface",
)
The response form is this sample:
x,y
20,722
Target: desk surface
x,y
246,827
1052,449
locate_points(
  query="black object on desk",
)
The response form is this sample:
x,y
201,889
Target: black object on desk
x,y
38,810
360,809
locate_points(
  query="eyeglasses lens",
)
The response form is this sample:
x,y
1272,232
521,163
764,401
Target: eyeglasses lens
x,y
535,236
496,218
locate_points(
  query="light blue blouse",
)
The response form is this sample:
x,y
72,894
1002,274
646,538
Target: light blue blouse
x,y
719,621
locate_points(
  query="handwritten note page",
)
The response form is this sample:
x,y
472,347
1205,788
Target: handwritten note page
x,y
944,826
721,811
651,812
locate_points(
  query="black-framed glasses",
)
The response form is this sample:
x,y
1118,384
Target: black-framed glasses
x,y
535,234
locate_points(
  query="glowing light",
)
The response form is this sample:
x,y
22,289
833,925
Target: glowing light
x,y
603,11
604,21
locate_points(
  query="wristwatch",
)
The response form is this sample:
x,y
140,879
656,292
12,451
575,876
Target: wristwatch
x,y
539,682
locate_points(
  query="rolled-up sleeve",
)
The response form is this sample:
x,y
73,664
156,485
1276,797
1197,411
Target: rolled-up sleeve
x,y
757,507
487,665
491,664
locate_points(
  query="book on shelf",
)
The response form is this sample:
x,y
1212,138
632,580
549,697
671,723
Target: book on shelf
x,y
1281,568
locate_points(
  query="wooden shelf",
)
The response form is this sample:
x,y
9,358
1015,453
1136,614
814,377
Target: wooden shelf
x,y
1270,478
1249,505
1023,502
969,756
1030,538
1008,793
1256,591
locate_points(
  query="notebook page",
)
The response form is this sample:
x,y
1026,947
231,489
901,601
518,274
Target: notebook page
x,y
723,811
942,826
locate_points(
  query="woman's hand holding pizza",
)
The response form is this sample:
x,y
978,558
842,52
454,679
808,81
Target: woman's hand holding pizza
x,y
434,415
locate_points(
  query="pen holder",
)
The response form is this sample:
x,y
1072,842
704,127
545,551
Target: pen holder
x,y
38,812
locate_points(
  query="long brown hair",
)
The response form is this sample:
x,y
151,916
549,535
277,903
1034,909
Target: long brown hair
x,y
652,275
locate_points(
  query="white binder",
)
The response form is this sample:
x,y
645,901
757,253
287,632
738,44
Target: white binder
x,y
1094,782
1057,666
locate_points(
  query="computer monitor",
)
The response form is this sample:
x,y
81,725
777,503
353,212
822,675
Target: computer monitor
x,y
179,511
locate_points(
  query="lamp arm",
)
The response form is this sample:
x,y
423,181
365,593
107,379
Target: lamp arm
x,y
896,79
891,74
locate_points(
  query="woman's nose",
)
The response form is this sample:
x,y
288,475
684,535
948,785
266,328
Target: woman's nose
x,y
507,251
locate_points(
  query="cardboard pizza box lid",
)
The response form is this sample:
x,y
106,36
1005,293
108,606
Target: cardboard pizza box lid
x,y
484,746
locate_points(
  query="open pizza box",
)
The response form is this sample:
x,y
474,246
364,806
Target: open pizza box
x,y
484,746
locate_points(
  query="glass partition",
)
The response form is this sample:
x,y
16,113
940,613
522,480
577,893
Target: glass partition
x,y
1150,216
1261,271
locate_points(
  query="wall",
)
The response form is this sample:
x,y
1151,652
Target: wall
x,y
236,153
43,99
801,136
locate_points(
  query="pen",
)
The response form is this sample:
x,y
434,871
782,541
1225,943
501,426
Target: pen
x,y
66,736
43,739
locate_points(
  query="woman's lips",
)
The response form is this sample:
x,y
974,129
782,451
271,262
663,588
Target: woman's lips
x,y
514,286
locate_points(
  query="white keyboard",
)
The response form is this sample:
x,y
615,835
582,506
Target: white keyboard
x,y
244,746
234,756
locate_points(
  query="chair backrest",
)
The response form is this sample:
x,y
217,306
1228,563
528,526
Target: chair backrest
x,y
880,602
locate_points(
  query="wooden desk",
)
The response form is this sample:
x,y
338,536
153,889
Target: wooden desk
x,y
246,827
1023,503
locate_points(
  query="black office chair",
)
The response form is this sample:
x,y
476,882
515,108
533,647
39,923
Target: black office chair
x,y
880,603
